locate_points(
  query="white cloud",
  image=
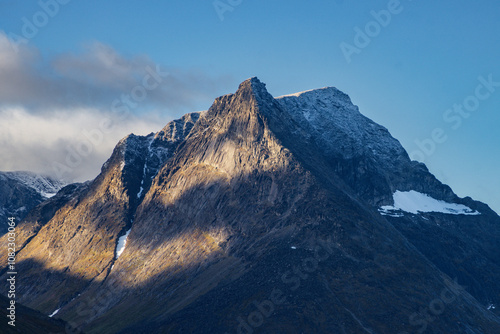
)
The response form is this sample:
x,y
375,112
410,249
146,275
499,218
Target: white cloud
x,y
35,142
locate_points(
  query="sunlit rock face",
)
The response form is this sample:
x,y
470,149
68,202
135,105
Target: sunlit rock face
x,y
262,214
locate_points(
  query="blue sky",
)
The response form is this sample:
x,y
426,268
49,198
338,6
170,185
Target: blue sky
x,y
407,72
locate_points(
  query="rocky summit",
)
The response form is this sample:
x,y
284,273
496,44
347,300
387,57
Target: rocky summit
x,y
294,214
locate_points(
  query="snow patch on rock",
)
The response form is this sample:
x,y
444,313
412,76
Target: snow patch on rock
x,y
122,242
415,202
144,168
54,313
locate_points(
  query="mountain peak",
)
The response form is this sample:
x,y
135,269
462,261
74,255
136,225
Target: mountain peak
x,y
210,215
255,88
47,186
325,94
252,82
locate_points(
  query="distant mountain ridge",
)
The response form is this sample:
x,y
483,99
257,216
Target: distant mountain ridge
x,y
47,186
22,191
263,214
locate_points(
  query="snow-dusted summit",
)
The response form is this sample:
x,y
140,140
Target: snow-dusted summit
x,y
337,125
45,185
22,191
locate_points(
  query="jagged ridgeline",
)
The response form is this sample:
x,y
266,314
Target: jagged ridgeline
x,y
294,214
